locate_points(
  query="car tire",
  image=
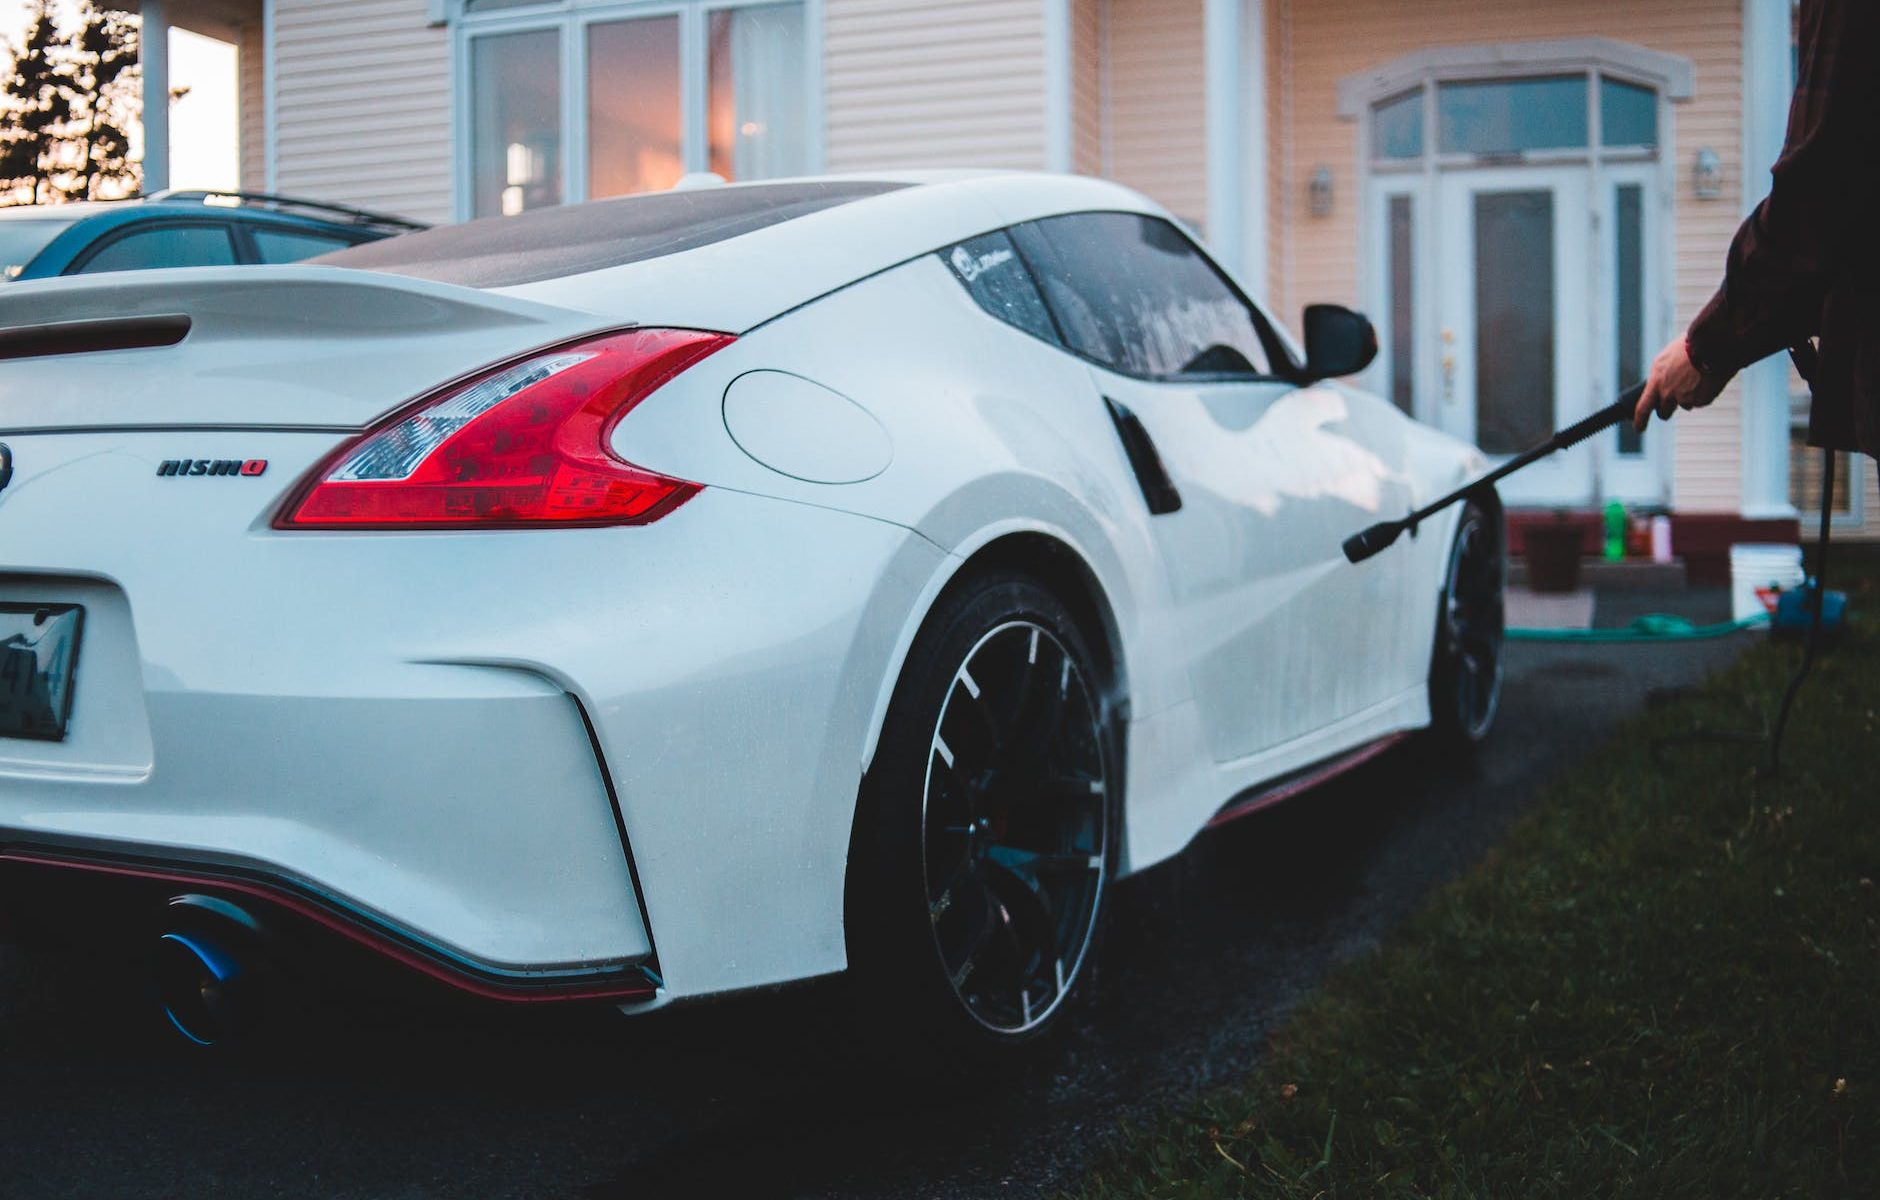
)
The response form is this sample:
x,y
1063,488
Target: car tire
x,y
1466,665
986,833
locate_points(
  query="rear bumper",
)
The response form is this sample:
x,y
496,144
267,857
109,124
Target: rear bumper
x,y
24,868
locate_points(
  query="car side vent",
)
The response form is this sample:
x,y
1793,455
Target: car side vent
x,y
1157,488
92,337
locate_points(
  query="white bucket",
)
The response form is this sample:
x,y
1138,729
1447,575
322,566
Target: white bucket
x,y
1758,573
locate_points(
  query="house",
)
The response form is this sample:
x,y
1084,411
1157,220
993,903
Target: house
x,y
1529,196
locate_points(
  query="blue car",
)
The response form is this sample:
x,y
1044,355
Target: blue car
x,y
180,229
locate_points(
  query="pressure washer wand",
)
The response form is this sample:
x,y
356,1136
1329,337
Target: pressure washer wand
x,y
1360,546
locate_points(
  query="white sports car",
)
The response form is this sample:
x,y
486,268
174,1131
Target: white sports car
x,y
661,597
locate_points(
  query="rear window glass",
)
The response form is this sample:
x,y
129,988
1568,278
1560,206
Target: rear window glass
x,y
21,241
163,246
548,243
993,274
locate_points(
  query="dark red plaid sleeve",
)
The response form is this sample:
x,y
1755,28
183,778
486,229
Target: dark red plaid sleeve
x,y
1784,257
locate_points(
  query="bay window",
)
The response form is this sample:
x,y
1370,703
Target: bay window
x,y
584,99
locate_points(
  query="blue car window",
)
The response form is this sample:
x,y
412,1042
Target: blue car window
x,y
21,240
163,246
274,246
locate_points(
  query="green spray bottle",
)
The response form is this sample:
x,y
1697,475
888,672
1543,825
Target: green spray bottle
x,y
1615,531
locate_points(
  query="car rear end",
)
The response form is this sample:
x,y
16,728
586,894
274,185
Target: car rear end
x,y
332,718
322,594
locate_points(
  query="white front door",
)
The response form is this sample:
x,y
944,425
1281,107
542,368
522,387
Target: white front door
x,y
1514,360
1629,324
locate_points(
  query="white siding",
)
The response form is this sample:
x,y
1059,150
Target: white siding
x,y
911,83
1157,102
1087,86
363,90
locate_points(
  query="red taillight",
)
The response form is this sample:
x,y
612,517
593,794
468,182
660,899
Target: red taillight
x,y
524,445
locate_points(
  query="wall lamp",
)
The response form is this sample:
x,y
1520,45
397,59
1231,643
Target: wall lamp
x,y
1319,192
1707,175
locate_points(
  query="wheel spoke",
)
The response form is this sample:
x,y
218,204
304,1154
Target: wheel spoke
x,y
1034,865
962,965
1033,918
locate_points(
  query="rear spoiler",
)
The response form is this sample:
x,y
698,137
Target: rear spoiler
x,y
222,302
246,347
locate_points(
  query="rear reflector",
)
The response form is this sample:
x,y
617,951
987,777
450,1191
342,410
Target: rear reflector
x,y
524,446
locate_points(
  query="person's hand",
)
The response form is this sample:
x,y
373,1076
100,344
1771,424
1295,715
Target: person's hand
x,y
1675,383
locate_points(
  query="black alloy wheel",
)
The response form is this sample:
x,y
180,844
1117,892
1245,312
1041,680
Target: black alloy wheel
x,y
1466,676
987,832
1015,826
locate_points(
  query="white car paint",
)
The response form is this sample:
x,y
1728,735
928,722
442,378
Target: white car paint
x,y
399,719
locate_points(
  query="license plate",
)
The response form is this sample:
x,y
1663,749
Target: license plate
x,y
38,652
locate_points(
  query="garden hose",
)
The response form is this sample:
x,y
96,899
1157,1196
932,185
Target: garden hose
x,y
1653,627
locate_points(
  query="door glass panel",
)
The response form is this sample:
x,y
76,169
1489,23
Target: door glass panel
x,y
1397,126
756,122
1509,116
515,122
633,107
1628,114
1402,304
1514,319
273,246
1629,304
1134,294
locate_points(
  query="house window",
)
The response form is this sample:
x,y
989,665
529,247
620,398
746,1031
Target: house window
x,y
585,99
1540,118
515,140
1805,476
1511,116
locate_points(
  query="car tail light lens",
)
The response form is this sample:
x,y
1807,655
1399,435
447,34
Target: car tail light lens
x,y
525,445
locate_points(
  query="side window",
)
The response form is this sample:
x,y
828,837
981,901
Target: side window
x,y
274,246
1134,294
164,246
992,273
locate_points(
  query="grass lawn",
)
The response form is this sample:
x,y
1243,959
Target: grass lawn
x,y
1665,983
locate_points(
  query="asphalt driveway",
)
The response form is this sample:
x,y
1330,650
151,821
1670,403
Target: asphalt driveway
x,y
757,1097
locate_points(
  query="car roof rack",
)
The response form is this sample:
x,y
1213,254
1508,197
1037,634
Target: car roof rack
x,y
292,204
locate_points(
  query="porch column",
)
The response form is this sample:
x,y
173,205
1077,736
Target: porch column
x,y
1254,173
155,51
1059,153
1767,87
1226,103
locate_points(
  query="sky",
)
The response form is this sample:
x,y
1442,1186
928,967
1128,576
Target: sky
x,y
203,125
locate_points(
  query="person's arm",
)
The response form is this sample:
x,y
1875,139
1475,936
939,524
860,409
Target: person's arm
x,y
1783,256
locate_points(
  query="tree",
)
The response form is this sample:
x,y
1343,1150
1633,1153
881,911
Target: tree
x,y
37,95
105,101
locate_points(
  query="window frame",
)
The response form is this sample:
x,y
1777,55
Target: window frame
x,y
570,20
1286,369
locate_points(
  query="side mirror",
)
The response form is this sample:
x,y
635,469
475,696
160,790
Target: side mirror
x,y
1338,341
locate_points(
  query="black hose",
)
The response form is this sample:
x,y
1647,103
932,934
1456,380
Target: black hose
x,y
1817,601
